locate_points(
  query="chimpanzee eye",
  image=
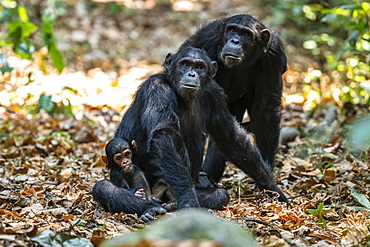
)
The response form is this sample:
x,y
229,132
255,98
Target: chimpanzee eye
x,y
232,29
199,66
185,63
127,154
118,157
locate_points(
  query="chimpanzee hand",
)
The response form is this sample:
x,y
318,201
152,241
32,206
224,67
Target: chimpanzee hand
x,y
149,214
140,193
170,206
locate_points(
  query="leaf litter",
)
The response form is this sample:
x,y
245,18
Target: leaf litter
x,y
49,165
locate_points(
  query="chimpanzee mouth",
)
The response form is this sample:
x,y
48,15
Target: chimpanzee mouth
x,y
232,56
189,86
126,168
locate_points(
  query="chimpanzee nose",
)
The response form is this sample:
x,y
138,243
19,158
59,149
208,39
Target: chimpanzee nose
x,y
191,74
235,41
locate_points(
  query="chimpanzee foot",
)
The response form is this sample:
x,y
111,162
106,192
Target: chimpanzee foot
x,y
149,214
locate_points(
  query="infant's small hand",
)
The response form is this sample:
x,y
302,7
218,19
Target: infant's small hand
x,y
140,193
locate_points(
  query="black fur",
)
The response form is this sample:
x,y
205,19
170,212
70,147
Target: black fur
x,y
253,83
118,194
168,124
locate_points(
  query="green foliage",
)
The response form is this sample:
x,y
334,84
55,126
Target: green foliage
x,y
4,66
359,135
20,31
337,35
320,211
360,198
46,103
115,9
49,238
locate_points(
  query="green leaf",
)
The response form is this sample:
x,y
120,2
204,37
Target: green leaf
x,y
312,211
360,198
24,49
14,26
27,29
72,90
357,208
350,6
68,109
354,35
322,221
325,211
48,238
45,238
46,103
4,64
22,12
320,207
56,57
48,21
6,69
20,30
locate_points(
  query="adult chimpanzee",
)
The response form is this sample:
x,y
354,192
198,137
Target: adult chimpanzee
x,y
131,192
168,117
250,61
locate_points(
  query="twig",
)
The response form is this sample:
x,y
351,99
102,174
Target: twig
x,y
260,222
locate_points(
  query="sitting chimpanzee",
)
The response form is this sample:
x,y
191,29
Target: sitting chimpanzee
x,y
128,189
250,61
168,117
128,181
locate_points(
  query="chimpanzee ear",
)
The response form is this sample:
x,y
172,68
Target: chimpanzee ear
x,y
265,37
105,159
214,68
133,143
168,60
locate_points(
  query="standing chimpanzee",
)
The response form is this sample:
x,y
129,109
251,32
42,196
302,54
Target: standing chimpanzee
x,y
168,117
250,61
129,193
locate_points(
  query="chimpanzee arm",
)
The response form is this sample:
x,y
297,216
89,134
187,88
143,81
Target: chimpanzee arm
x,y
159,138
116,176
115,200
234,144
170,161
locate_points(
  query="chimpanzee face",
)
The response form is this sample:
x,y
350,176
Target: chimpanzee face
x,y
242,43
193,69
119,153
124,159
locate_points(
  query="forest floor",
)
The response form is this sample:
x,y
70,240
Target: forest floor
x,y
48,165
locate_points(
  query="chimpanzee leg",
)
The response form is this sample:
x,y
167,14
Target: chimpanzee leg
x,y
214,163
169,160
267,135
115,200
212,198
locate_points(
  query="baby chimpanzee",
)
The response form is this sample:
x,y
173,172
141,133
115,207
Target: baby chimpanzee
x,y
131,192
